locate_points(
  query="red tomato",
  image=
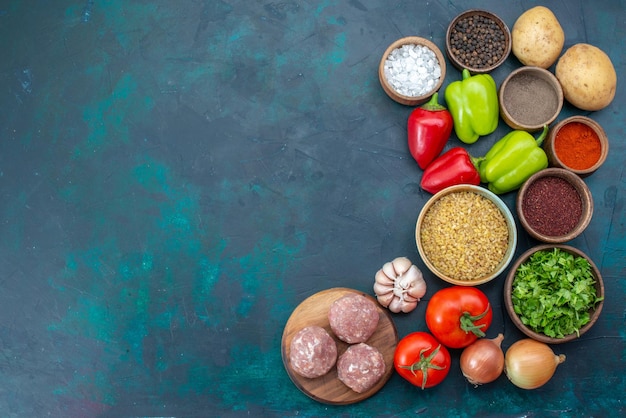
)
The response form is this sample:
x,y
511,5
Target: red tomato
x,y
421,359
458,315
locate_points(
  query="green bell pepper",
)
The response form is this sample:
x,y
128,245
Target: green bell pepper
x,y
473,103
512,160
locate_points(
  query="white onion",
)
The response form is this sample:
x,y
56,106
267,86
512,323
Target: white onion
x,y
530,364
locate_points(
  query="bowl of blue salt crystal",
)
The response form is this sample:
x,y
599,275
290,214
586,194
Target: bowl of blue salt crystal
x,y
411,70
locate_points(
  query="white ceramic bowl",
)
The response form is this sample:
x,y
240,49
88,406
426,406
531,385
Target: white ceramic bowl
x,y
510,223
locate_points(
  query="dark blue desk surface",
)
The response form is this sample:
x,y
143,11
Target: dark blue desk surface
x,y
176,177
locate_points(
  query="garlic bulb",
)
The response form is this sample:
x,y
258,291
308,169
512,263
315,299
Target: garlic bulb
x,y
399,285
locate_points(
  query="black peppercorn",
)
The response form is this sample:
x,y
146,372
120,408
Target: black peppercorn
x,y
477,41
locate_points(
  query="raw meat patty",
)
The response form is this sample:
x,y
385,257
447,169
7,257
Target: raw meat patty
x,y
360,367
353,318
313,352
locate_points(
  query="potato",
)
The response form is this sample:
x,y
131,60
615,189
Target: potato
x,y
537,37
587,77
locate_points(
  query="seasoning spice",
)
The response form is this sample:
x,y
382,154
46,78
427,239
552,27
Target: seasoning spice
x,y
552,206
530,100
477,41
577,145
464,235
412,70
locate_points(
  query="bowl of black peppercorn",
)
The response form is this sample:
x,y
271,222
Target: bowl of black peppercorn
x,y
478,40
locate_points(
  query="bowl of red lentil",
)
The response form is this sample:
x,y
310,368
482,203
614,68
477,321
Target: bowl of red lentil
x,y
529,294
554,205
530,98
411,70
578,144
466,235
478,40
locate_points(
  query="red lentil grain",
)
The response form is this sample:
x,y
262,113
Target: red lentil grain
x,y
552,206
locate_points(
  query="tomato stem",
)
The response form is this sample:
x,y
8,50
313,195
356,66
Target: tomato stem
x,y
468,322
424,363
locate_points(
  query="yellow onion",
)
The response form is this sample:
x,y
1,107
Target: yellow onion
x,y
530,364
483,360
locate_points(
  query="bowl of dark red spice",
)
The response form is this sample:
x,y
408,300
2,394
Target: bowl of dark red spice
x,y
529,98
554,205
478,40
411,70
578,144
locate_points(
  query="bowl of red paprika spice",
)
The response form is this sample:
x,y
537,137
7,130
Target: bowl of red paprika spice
x,y
554,205
578,144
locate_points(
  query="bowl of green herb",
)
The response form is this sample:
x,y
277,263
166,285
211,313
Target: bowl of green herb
x,y
554,293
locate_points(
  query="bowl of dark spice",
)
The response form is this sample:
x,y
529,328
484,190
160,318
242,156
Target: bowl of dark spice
x,y
554,293
478,40
529,98
578,144
411,70
554,205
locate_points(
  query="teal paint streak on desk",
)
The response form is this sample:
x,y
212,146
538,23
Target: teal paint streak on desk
x,y
142,294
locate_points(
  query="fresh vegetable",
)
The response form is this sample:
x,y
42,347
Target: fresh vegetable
x,y
399,285
587,77
530,364
537,37
483,360
553,291
473,103
512,160
429,128
458,315
421,359
453,167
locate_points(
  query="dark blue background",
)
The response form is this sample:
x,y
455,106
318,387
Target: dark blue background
x,y
177,176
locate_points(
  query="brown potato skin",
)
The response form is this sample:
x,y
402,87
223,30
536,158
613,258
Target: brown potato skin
x,y
587,77
537,37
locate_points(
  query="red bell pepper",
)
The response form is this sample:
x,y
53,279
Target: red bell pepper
x,y
453,167
429,128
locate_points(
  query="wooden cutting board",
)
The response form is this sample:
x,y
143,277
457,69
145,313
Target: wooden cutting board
x,y
328,388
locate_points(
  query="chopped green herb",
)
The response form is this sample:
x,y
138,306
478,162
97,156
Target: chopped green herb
x,y
553,292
